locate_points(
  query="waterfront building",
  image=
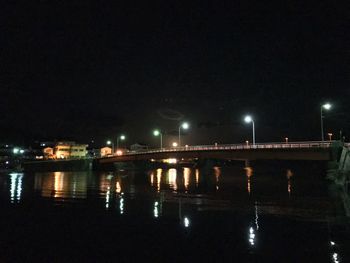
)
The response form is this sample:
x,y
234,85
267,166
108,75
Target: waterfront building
x,y
66,150
48,153
106,151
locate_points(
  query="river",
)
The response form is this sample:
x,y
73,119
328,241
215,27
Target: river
x,y
270,212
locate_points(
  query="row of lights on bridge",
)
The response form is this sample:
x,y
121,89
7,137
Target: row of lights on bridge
x,y
247,119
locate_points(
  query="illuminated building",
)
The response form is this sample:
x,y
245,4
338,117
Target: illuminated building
x,y
66,150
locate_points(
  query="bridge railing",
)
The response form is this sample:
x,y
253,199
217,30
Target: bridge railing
x,y
220,147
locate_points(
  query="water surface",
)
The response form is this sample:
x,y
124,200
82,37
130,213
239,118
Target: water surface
x,y
271,212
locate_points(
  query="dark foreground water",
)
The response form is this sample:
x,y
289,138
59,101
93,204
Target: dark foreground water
x,y
271,212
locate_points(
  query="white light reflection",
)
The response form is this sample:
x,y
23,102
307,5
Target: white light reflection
x,y
156,209
251,236
186,222
108,196
121,205
335,258
16,187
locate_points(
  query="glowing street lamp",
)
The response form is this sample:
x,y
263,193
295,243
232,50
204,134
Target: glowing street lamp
x,y
249,119
122,138
325,106
286,139
158,133
109,142
16,150
184,126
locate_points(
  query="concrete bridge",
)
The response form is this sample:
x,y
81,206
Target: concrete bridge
x,y
312,150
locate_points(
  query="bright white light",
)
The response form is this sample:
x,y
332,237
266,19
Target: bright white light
x,y
327,106
335,258
185,125
16,187
332,243
108,196
109,142
7,162
156,210
156,133
251,236
248,119
174,144
122,137
171,160
186,222
121,205
21,151
15,150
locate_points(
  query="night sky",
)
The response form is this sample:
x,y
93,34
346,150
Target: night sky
x,y
82,71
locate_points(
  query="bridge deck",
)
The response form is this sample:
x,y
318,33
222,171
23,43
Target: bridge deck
x,y
264,151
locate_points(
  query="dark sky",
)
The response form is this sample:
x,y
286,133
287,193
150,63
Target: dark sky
x,y
78,70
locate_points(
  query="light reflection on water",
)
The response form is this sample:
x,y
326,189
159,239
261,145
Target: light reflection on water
x,y
16,187
210,188
62,184
183,192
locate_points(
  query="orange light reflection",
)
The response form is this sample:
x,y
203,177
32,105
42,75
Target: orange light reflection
x,y
249,173
172,178
159,178
187,174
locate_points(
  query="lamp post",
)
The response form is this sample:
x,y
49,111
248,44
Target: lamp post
x,y
121,137
326,106
184,126
286,139
158,133
109,142
249,119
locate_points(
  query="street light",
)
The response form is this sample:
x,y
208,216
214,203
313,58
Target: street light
x,y
249,119
286,139
158,133
184,126
121,137
325,106
111,143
